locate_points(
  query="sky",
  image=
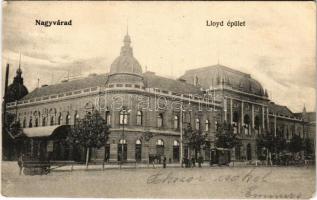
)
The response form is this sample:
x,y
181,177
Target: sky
x,y
277,46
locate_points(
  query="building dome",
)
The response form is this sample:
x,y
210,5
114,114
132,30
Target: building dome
x,y
126,63
16,90
215,76
239,81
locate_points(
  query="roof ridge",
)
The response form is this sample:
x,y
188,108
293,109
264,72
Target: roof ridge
x,y
176,80
219,66
72,85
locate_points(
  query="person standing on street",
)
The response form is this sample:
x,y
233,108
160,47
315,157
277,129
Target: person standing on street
x,y
193,162
200,160
20,163
164,162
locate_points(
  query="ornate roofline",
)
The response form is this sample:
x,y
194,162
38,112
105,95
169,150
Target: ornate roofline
x,y
125,73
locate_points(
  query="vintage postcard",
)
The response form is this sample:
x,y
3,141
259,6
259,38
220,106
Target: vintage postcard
x,y
190,100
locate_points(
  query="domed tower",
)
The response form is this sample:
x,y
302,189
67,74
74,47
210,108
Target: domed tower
x,y
16,90
125,69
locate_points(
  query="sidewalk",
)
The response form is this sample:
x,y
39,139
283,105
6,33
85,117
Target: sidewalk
x,y
107,166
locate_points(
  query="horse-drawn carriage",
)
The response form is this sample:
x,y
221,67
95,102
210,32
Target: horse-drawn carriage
x,y
220,156
155,158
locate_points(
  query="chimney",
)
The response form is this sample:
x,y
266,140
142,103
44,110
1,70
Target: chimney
x,y
6,82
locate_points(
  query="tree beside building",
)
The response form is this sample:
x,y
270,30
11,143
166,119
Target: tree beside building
x,y
89,132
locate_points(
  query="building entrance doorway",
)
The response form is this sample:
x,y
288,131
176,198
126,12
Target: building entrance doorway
x,y
176,151
160,148
122,150
138,151
249,155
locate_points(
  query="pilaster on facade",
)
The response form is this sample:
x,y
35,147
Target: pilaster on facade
x,y
225,107
231,113
252,115
267,119
263,121
242,114
242,119
274,124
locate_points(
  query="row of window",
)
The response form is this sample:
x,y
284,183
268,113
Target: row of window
x,y
122,150
159,142
246,119
123,120
45,121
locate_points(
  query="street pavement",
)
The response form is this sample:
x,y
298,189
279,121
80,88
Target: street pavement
x,y
171,182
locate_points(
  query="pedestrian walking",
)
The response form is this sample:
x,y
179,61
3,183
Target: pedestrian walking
x,y
188,162
152,160
193,162
164,162
20,164
200,160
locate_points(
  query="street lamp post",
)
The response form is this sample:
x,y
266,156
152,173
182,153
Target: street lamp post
x,y
122,141
181,133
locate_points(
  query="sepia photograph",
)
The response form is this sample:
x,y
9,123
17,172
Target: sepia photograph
x,y
158,99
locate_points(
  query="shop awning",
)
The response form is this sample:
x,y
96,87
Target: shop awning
x,y
43,131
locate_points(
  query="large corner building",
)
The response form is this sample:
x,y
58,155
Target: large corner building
x,y
148,108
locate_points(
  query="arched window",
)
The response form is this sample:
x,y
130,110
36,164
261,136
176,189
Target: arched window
x,y
123,117
159,120
139,118
160,142
67,119
175,143
44,121
122,150
197,124
138,150
30,123
246,124
160,147
24,123
60,119
249,152
257,124
52,121
121,141
176,122
36,122
138,142
235,119
207,125
76,117
175,151
108,118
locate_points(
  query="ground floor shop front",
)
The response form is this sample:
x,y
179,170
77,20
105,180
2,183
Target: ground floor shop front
x,y
132,146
